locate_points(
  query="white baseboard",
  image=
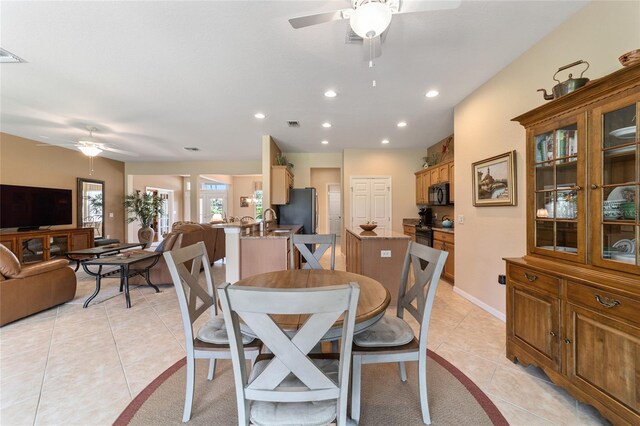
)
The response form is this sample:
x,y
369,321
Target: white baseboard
x,y
502,317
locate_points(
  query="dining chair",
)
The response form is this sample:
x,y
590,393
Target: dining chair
x,y
210,341
322,241
391,339
288,386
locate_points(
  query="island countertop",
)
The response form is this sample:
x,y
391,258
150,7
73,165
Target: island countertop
x,y
377,234
273,231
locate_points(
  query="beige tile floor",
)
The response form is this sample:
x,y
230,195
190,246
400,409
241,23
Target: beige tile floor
x,y
77,366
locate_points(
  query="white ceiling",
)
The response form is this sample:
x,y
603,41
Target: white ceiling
x,y
155,77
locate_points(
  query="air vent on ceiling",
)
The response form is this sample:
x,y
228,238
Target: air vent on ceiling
x,y
191,148
293,123
7,57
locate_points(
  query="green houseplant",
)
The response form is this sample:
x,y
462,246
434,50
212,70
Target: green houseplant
x,y
143,207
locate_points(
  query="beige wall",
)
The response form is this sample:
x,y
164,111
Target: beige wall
x,y
24,163
320,177
599,33
172,183
305,162
400,164
242,186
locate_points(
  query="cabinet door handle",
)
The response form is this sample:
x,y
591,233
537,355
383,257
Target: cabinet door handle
x,y
530,277
567,341
552,333
606,302
594,186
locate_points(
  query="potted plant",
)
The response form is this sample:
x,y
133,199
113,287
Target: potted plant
x,y
143,207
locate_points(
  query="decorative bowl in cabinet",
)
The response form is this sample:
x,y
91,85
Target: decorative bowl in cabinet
x,y
628,210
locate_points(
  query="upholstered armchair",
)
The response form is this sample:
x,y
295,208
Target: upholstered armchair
x,y
25,290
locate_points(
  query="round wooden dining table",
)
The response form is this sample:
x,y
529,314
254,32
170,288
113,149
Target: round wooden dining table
x,y
374,297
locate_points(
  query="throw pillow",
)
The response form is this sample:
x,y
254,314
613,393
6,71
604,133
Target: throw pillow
x,y
9,263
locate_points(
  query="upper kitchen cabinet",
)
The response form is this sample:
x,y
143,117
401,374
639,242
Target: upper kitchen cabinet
x,y
423,181
440,173
281,183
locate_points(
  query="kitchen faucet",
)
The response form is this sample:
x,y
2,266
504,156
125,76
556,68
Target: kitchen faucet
x,y
273,215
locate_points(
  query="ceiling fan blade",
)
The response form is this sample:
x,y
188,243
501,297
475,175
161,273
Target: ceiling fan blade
x,y
409,6
119,151
320,18
61,145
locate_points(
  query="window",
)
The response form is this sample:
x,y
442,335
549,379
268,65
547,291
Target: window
x,y
257,195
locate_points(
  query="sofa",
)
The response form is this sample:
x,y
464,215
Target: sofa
x,y
26,290
183,235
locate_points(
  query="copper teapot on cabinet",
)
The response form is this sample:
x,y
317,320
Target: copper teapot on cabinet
x,y
568,86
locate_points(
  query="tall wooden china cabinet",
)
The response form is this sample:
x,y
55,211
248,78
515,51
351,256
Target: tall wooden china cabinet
x,y
573,302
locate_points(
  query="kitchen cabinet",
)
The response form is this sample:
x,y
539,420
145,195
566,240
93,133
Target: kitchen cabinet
x,y
423,181
410,231
281,183
573,302
445,241
440,173
40,245
452,192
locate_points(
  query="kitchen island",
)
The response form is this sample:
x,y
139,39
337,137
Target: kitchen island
x,y
256,247
377,254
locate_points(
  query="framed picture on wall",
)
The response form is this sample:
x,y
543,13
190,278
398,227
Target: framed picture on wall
x,y
494,181
244,201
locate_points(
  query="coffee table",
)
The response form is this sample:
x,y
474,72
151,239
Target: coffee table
x,y
97,252
125,270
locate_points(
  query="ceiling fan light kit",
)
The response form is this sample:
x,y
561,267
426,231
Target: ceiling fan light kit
x,y
90,150
370,19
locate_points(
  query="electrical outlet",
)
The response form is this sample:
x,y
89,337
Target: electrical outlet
x,y
435,216
502,279
108,236
110,214
460,218
385,253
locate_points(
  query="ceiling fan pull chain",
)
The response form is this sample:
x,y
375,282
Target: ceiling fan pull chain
x,y
370,52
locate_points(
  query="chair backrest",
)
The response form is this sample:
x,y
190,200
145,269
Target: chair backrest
x,y
258,308
322,242
425,283
192,297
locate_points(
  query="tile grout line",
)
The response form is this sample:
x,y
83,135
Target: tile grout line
x,y
521,408
124,373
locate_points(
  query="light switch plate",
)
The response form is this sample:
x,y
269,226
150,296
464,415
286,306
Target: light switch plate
x,y
461,218
385,253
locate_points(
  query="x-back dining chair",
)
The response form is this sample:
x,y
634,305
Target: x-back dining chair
x,y
323,243
210,341
290,388
391,339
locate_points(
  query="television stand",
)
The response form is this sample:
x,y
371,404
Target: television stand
x,y
45,244
28,228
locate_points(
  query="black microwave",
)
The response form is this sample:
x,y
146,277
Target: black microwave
x,y
439,195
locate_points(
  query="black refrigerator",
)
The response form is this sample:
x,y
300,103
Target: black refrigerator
x,y
301,210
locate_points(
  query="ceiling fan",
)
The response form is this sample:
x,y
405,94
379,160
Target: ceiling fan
x,y
369,19
90,147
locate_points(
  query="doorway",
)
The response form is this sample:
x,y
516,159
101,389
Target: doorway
x,y
162,223
371,201
334,209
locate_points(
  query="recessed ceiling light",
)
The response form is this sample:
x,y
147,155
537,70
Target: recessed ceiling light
x,y
330,94
325,142
432,93
385,141
259,115
44,137
326,125
402,124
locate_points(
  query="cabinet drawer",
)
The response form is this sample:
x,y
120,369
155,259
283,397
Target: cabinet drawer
x,y
604,302
447,237
534,279
409,230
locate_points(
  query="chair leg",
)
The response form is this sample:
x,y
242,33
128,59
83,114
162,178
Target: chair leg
x,y
188,397
212,369
422,381
356,381
403,372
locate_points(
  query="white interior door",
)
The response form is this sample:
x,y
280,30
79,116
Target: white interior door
x,y
371,201
333,209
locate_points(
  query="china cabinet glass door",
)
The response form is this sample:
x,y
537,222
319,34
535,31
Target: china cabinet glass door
x,y
616,187
557,190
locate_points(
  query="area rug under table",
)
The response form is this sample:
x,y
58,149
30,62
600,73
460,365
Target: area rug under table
x,y
453,398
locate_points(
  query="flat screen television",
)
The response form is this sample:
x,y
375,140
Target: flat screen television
x,y
32,207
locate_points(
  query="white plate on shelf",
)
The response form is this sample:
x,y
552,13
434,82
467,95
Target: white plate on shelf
x,y
559,248
616,194
624,257
624,133
625,246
